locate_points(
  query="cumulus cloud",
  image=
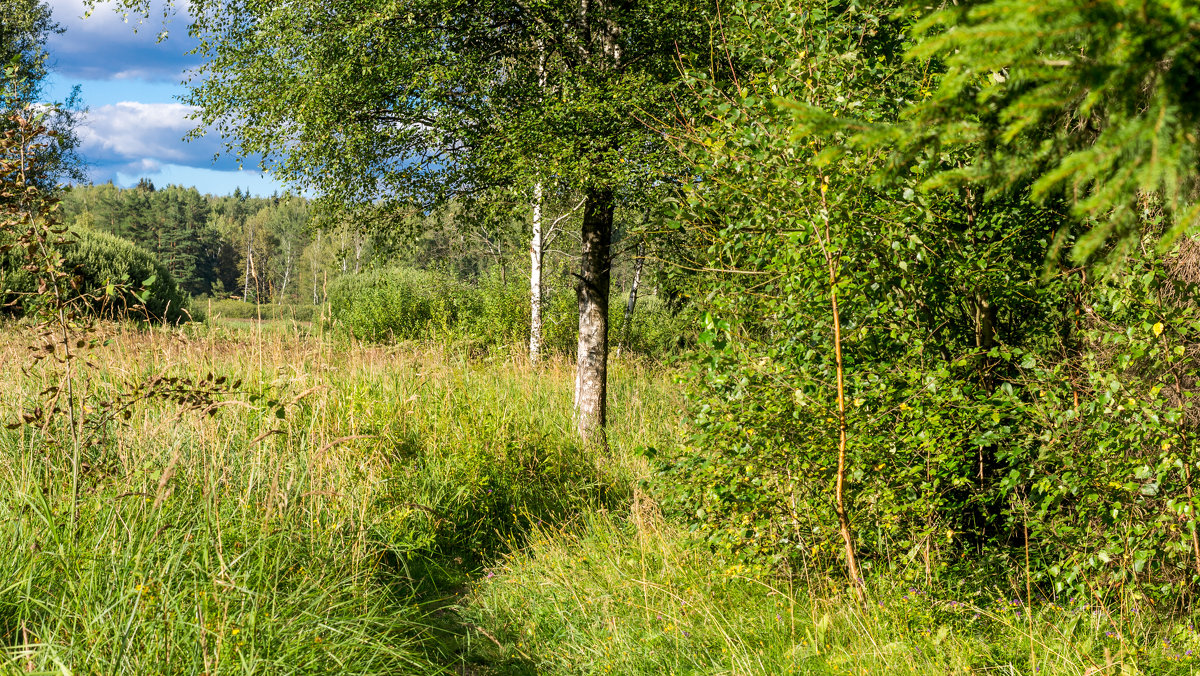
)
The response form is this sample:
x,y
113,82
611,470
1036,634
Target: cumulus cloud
x,y
133,137
105,45
134,132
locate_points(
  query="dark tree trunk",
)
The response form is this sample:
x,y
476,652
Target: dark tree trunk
x,y
591,379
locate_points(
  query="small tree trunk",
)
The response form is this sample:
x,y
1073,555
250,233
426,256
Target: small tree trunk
x,y
627,324
843,516
833,267
287,273
591,376
536,255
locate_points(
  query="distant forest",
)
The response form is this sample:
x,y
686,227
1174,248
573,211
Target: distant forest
x,y
258,249
287,249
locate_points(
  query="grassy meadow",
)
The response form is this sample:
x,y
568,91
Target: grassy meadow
x,y
422,509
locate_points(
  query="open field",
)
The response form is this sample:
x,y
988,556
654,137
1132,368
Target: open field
x,y
353,509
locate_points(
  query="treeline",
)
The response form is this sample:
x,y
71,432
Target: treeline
x,y
291,251
288,249
258,249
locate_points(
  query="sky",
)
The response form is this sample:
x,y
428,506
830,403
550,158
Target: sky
x,y
130,81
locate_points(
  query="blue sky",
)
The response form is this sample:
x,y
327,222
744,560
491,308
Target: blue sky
x,y
130,81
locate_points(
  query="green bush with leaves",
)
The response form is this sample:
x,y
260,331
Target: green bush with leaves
x,y
409,304
113,275
902,371
397,304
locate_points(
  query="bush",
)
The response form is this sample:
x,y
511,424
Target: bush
x,y
397,303
100,260
655,328
406,304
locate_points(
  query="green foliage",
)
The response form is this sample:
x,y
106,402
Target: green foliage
x,y
114,277
1093,102
25,29
409,304
996,399
398,304
214,246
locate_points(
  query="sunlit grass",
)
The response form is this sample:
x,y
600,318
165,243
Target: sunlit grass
x,y
423,509
248,542
626,593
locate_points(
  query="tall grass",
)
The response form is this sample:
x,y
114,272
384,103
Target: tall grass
x,y
417,510
626,593
297,544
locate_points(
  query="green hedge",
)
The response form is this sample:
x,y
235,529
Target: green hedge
x,y
98,260
407,304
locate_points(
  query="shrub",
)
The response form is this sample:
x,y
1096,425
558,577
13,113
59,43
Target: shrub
x,y
397,303
141,286
403,303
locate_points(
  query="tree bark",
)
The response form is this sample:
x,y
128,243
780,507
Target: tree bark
x,y
537,243
833,267
249,264
843,516
591,380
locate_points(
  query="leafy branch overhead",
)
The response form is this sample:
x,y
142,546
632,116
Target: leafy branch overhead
x,y
1096,104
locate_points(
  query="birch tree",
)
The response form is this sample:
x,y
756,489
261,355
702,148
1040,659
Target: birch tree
x,y
421,101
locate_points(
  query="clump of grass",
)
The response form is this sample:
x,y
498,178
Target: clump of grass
x,y
197,584
631,595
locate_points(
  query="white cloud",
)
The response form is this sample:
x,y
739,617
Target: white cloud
x,y
131,129
134,137
125,139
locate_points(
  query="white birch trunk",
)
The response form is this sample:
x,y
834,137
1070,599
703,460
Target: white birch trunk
x,y
537,246
591,368
536,255
249,264
627,325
